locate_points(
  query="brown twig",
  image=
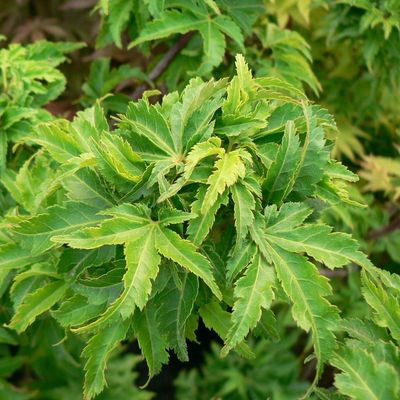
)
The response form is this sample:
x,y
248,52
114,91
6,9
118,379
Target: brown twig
x,y
164,63
392,226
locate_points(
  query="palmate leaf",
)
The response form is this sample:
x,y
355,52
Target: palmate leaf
x,y
253,292
144,240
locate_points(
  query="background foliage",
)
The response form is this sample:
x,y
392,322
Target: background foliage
x,y
209,181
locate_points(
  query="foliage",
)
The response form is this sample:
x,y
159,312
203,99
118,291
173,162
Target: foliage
x,y
210,203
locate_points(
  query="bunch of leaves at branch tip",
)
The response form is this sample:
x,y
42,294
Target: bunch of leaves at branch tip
x,y
214,21
29,80
199,207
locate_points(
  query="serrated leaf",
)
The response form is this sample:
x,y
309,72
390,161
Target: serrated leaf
x,y
239,260
97,353
253,292
153,138
333,249
128,222
228,169
151,340
37,303
307,290
176,304
200,226
244,206
184,253
216,318
363,377
211,29
13,256
385,304
279,182
76,311
35,234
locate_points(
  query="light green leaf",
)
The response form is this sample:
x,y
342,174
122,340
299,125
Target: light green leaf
x,y
244,205
279,182
129,222
363,377
36,232
385,304
97,352
150,338
36,303
253,292
228,169
200,226
307,290
184,253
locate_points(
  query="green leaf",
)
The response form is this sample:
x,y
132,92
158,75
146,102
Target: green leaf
x,y
97,353
128,222
118,13
200,226
36,303
184,253
150,338
76,311
308,290
239,260
253,292
385,304
228,169
148,127
142,262
36,233
279,181
200,151
13,256
219,320
333,249
244,205
176,304
363,377
211,29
